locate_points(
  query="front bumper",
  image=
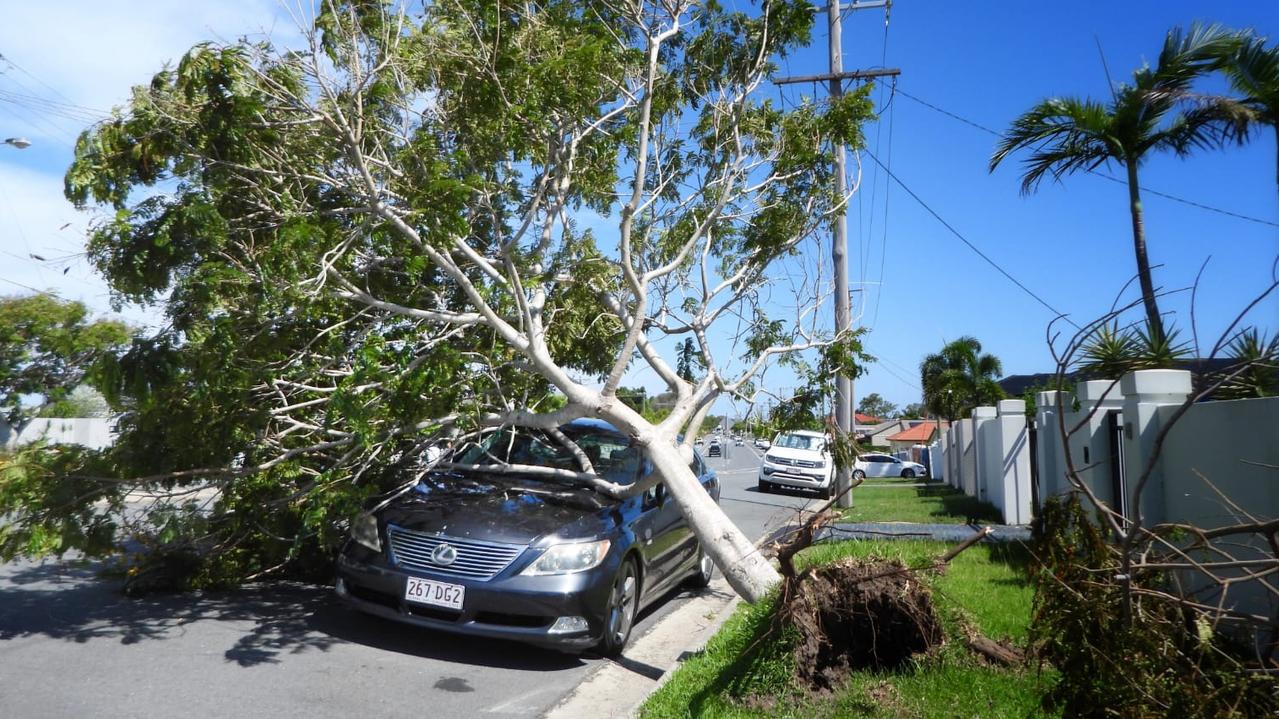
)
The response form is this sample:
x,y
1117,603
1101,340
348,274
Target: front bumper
x,y
793,477
506,607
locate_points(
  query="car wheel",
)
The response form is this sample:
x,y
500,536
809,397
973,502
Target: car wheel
x,y
705,570
623,602
858,474
825,492
765,487
908,473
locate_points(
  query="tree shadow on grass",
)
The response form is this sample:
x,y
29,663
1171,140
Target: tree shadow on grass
x,y
955,503
72,602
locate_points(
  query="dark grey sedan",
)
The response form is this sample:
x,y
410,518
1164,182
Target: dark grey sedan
x,y
480,550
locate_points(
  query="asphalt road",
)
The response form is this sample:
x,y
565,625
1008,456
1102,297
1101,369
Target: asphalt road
x,y
72,646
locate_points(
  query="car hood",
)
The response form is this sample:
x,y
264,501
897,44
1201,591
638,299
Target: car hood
x,y
500,509
788,453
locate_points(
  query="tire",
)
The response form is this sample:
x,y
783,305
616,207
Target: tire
x,y
704,572
825,492
908,473
858,474
764,487
619,615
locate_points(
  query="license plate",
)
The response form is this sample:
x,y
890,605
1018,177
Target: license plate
x,y
439,594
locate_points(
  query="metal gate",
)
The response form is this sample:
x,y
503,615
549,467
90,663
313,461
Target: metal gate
x,y
1118,482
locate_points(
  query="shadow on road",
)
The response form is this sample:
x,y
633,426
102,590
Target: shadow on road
x,y
69,601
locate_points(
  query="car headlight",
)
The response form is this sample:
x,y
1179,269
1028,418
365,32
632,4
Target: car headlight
x,y
819,464
769,457
568,558
364,532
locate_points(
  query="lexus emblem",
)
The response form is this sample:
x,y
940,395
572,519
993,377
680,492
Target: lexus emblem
x,y
444,555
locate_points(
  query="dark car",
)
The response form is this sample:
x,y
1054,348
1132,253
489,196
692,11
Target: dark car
x,y
715,449
526,555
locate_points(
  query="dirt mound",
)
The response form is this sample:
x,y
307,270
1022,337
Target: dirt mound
x,y
858,614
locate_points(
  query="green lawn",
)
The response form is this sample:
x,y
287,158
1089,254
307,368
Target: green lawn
x,y
936,503
740,676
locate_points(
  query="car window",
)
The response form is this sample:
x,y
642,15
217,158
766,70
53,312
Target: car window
x,y
611,455
698,466
800,441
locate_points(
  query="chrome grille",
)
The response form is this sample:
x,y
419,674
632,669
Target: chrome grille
x,y
475,559
794,462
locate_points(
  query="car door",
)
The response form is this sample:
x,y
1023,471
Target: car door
x,y
878,465
657,532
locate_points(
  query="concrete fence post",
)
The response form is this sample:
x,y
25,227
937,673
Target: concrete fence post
x,y
1013,482
1051,451
1090,446
1150,398
986,446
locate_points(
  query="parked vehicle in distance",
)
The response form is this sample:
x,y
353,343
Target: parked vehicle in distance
x,y
761,443
883,465
797,459
482,548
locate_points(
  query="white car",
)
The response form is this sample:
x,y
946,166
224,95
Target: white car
x,y
761,443
798,459
882,465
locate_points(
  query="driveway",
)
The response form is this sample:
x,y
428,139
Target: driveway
x,y
72,646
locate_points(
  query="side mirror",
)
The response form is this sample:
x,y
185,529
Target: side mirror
x,y
646,467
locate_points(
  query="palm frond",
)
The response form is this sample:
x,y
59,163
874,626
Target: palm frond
x,y
1067,134
1253,71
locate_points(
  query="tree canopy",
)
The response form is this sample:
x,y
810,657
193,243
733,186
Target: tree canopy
x,y
959,378
48,348
461,216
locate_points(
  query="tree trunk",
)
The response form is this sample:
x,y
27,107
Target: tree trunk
x,y
746,570
1153,320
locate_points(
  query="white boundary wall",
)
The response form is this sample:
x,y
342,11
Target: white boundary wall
x,y
91,432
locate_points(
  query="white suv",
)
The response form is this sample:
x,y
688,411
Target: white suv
x,y
798,459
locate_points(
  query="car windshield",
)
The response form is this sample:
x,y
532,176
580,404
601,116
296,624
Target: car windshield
x,y
800,441
612,455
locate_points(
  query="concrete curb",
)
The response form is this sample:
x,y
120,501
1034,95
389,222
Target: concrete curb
x,y
617,688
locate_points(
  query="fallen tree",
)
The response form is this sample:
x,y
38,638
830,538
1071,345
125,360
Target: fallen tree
x,y
429,221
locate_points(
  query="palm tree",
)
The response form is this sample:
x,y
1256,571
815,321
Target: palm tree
x,y
959,378
1253,71
1071,134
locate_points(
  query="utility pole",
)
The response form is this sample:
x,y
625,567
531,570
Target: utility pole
x,y
839,236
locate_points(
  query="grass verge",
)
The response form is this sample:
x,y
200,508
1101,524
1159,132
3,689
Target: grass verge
x,y
936,503
739,674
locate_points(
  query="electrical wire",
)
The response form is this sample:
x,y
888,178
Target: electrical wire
x,y
970,245
1099,173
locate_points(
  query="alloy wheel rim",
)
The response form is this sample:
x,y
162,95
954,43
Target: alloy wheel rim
x,y
623,600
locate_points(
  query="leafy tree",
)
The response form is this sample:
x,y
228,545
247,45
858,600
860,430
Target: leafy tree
x,y
914,410
1067,135
375,240
48,348
959,378
688,360
876,406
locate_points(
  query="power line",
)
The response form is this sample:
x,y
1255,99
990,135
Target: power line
x,y
971,246
1099,173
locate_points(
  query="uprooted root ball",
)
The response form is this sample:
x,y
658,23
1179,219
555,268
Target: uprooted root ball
x,y
858,614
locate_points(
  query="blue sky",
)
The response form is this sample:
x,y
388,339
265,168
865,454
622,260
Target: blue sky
x,y
984,61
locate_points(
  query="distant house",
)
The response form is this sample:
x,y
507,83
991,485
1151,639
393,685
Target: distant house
x,y
922,433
